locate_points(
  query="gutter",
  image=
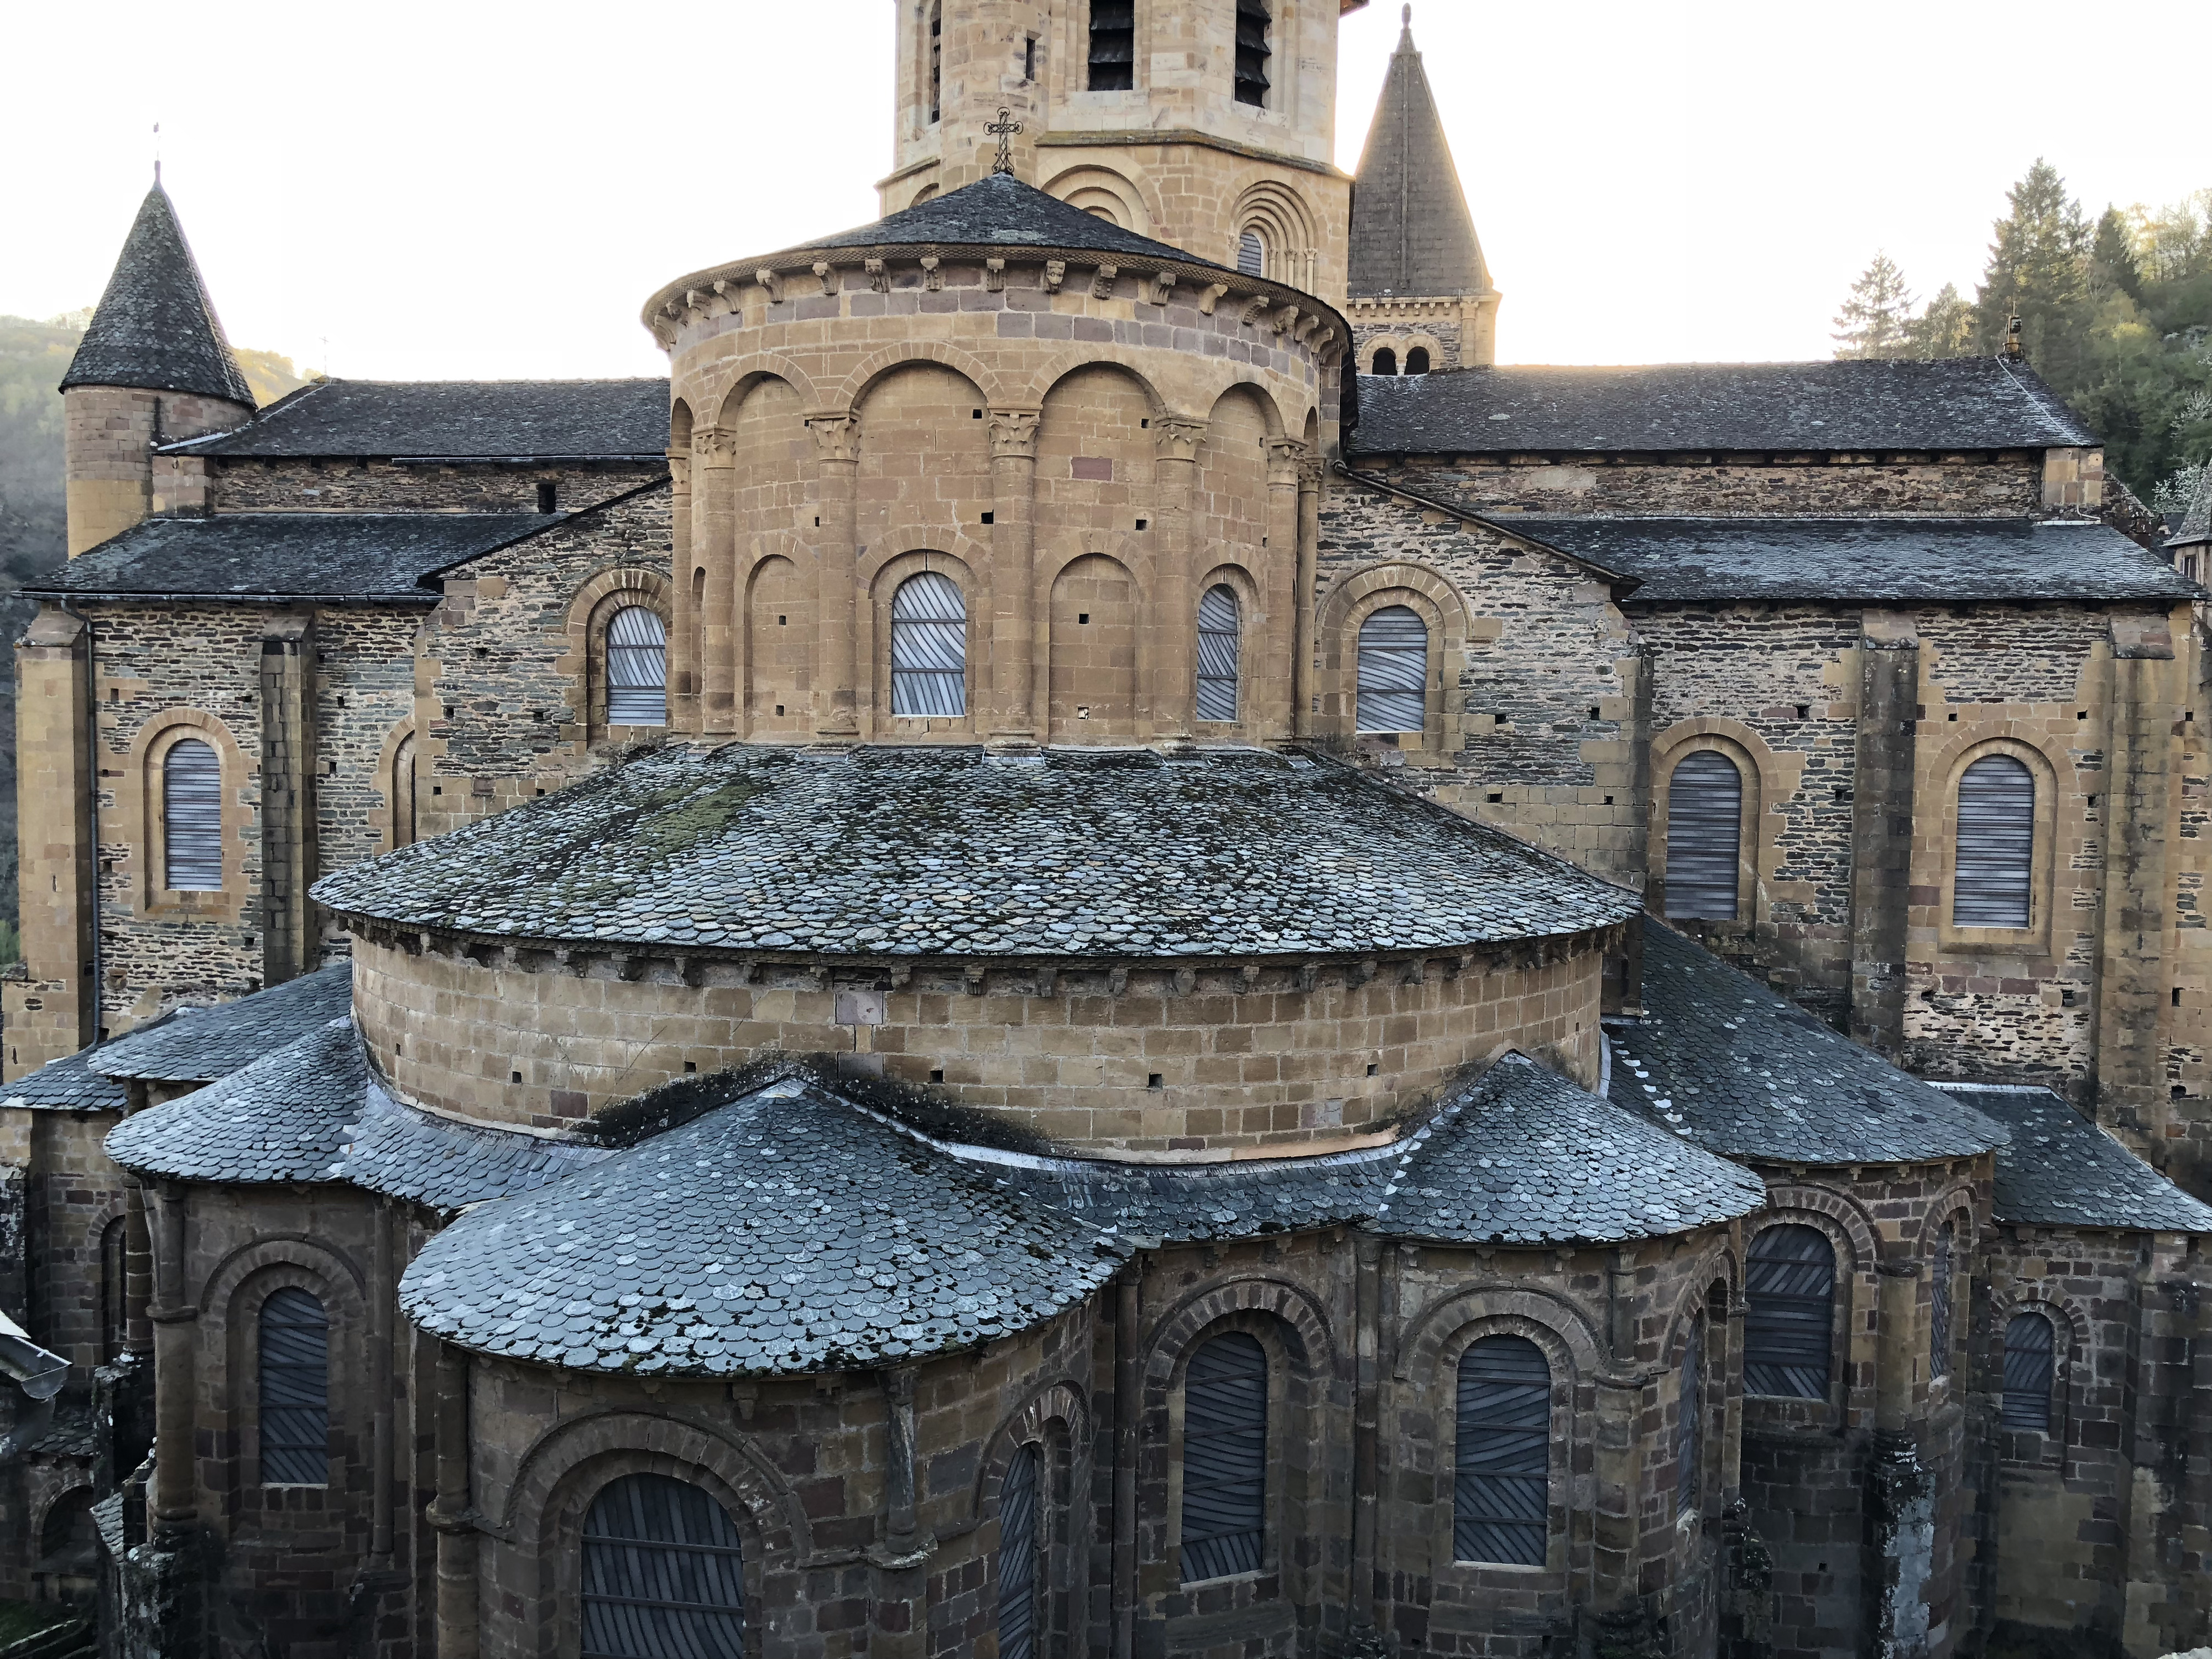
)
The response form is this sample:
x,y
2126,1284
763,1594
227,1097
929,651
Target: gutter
x,y
40,1374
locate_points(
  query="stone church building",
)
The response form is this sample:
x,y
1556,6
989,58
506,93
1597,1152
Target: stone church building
x,y
1093,946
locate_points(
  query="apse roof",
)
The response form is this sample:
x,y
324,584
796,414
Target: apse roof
x,y
1411,234
2060,1169
282,1117
197,1045
155,327
949,852
403,1151
69,1084
462,421
999,210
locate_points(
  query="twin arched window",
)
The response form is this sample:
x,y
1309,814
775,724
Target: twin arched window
x,y
1224,1458
1704,835
1385,361
1218,640
1501,1473
1789,1297
929,647
637,668
2030,1368
663,1574
191,816
1994,878
296,1389
1417,360
1393,671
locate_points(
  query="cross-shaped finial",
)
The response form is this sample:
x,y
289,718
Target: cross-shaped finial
x,y
1004,128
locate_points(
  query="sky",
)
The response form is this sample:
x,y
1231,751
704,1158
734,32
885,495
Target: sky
x,y
472,189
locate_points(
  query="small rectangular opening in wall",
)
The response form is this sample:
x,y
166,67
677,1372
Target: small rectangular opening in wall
x,y
936,1075
514,1077
2177,996
690,1067
1608,800
2066,999
1372,1068
2081,713
1029,58
1144,524
548,496
1594,712
1497,800
990,517
1152,1081
975,414
783,622
779,708
1804,711
437,788
1083,619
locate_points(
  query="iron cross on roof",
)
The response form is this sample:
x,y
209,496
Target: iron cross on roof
x,y
1004,129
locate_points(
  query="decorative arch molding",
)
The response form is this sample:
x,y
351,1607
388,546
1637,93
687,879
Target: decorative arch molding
x,y
1373,587
1695,1301
1089,183
1073,361
1838,1216
1355,590
590,608
1766,778
1285,224
1449,1321
139,791
1960,1206
1949,764
1061,1401
1211,378
726,391
327,1266
880,573
2065,1312
384,819
44,1512
1292,1306
1055,553
1401,343
1249,390
854,389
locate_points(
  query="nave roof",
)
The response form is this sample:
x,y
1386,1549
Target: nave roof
x,y
466,420
2060,1169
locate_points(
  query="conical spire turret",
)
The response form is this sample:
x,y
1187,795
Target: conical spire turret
x,y
1411,234
155,329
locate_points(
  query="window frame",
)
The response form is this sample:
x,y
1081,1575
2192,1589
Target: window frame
x,y
605,661
260,1366
220,848
1838,1303
1744,793
1092,31
2051,1437
747,1602
898,586
1237,676
2034,940
1429,671
1668,753
1459,1431
1270,1494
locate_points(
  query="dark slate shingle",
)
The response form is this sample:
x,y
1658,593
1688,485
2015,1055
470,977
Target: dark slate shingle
x,y
456,421
1965,404
2061,1170
155,327
1863,561
912,851
1727,1064
69,1085
999,210
403,1152
198,1045
2196,523
1411,234
283,1117
784,1233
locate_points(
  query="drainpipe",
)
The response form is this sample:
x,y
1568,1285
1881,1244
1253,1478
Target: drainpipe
x,y
40,1374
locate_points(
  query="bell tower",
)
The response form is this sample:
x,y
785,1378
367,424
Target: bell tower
x,y
1208,124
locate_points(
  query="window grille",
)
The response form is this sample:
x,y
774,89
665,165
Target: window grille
x,y
1996,844
1939,1306
1789,1290
1417,360
663,1574
1385,361
1113,45
1393,671
2029,1360
637,668
1501,1473
1252,52
936,59
1251,254
1018,1556
295,1390
1704,835
1217,651
929,646
1224,1458
191,816
1689,1421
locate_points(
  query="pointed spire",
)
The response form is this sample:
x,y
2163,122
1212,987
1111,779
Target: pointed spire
x,y
155,328
1411,234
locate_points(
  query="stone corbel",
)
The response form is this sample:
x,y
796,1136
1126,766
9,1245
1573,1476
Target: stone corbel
x,y
1164,287
828,273
836,437
1014,433
773,283
1255,309
679,468
1214,294
932,278
1103,281
1284,320
994,276
1308,325
1055,273
1178,436
878,279
695,301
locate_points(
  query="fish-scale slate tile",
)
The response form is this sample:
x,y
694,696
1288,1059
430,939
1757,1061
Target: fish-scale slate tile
x,y
784,1233
284,1117
2061,1171
2196,521
68,1085
892,852
155,327
999,210
403,1152
1212,1202
1730,1066
198,1045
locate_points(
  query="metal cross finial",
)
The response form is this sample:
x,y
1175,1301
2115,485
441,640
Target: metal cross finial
x,y
1004,127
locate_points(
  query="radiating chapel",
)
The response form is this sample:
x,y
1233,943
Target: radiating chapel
x,y
1094,947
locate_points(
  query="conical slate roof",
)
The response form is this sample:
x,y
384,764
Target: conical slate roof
x,y
155,327
1411,232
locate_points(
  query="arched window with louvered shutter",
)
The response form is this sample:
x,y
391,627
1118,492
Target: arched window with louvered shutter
x,y
2031,1365
1939,1304
637,668
191,816
403,791
1251,254
1993,877
296,1389
1224,1458
1219,649
1690,1421
1253,49
1704,837
1113,45
1789,1301
1019,1556
1502,1457
1385,361
929,647
663,1574
114,1288
1393,671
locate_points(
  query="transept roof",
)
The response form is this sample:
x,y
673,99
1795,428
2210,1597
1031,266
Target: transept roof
x,y
2060,1169
197,1045
1411,234
155,327
511,420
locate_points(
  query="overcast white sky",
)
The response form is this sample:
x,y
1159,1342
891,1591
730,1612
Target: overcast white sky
x,y
471,189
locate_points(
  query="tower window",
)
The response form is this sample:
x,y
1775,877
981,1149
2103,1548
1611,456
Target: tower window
x,y
1788,1330
664,1572
929,647
1417,360
1704,835
1029,58
1218,653
295,1390
1939,1306
1996,866
1251,254
1385,361
548,496
936,59
192,818
1393,671
1501,1458
637,668
1252,52
1113,45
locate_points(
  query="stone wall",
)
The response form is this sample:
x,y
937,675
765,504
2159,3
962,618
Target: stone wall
x,y
315,485
108,435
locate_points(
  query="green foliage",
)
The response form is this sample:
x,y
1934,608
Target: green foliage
x,y
1876,318
271,376
1946,329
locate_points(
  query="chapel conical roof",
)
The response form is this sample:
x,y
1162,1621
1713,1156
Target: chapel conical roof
x,y
1411,234
155,328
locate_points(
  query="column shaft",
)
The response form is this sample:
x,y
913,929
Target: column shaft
x,y
176,1484
1174,611
714,545
1014,578
684,610
836,456
1308,563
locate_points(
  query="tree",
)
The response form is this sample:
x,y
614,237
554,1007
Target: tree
x,y
1946,329
2112,254
2039,272
1874,318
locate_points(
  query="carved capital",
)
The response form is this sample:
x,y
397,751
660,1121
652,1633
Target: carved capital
x,y
1179,436
836,437
878,279
1311,471
932,278
827,275
1014,433
715,445
679,468
1285,459
1213,296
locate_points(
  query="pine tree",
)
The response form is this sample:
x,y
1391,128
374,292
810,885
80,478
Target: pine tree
x,y
2039,272
1874,318
2112,255
1946,329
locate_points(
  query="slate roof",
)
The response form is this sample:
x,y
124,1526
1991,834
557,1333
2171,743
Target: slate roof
x,y
1965,404
264,557
1411,234
455,421
2061,1171
1730,1066
282,1117
783,1233
198,1045
1863,561
68,1085
405,1152
2195,523
947,851
155,327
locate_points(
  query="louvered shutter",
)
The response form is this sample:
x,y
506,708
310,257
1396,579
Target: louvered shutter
x,y
1939,1306
1995,865
1393,671
1501,1453
1224,1458
1218,642
1690,1423
2029,1360
637,668
295,1390
663,1574
1704,835
1018,1556
1789,1289
1113,45
1251,254
191,816
1252,51
929,646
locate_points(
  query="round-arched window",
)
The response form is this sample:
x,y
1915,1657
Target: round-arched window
x,y
663,1574
1219,645
637,668
929,647
1385,361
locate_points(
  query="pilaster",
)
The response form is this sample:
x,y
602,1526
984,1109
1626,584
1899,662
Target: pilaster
x,y
1175,612
836,473
1881,825
713,542
287,797
53,1010
1014,578
683,633
2144,707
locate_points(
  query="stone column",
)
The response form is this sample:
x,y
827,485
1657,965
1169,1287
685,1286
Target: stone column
x,y
1277,575
1881,825
2132,977
714,546
1173,611
900,1557
176,1332
1128,1416
836,474
448,1514
1013,579
289,936
383,1288
1308,642
1366,1429
684,610
54,1010
137,1272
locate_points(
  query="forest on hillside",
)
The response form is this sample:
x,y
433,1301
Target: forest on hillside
x,y
2115,313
